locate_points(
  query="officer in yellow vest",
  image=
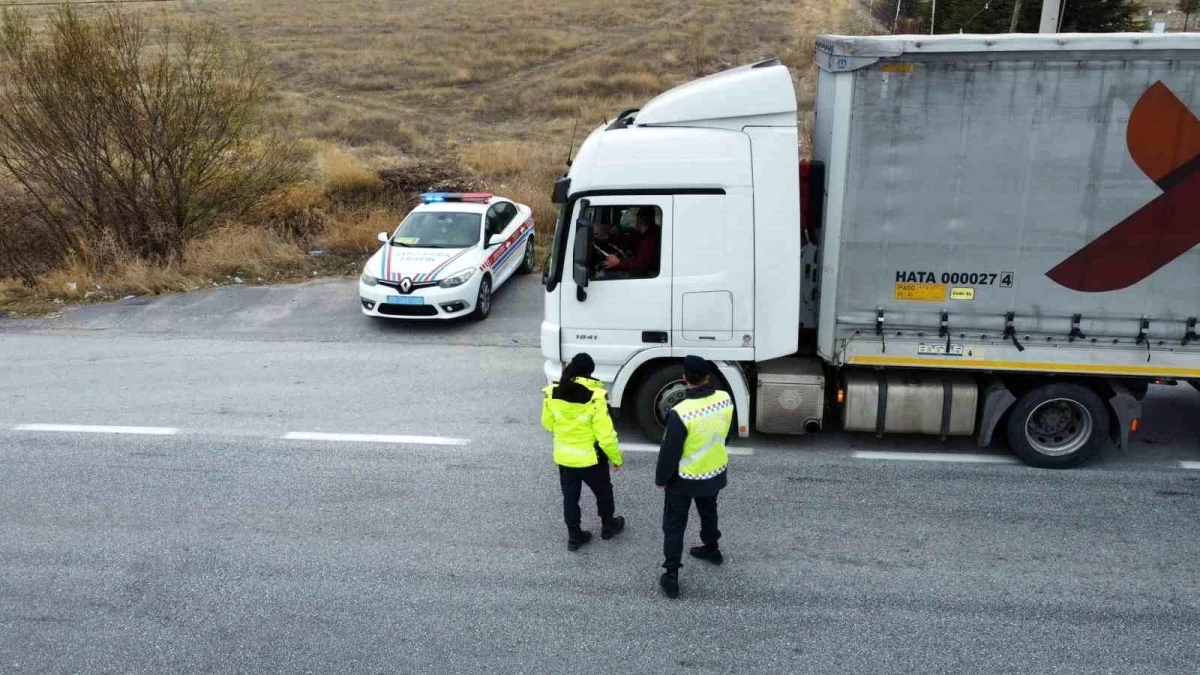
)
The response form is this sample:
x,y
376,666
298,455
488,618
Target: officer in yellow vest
x,y
575,410
691,467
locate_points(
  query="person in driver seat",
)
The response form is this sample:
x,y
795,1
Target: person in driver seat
x,y
645,242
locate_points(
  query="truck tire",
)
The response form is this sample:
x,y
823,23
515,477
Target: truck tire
x,y
1058,426
662,390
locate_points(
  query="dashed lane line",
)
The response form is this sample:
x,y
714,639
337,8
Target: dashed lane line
x,y
98,429
936,457
401,439
373,438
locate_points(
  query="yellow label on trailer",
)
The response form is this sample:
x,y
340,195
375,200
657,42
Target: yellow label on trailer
x,y
899,67
921,292
962,293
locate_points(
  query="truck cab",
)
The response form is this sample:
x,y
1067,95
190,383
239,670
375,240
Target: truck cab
x,y
714,164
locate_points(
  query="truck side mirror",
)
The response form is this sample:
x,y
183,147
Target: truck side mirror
x,y
584,235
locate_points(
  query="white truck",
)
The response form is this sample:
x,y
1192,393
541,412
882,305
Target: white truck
x,y
992,233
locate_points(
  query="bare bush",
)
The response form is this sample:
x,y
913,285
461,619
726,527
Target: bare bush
x,y
152,132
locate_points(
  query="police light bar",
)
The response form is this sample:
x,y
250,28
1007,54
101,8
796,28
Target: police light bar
x,y
476,197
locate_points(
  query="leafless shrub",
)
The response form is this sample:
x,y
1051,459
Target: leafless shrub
x,y
152,132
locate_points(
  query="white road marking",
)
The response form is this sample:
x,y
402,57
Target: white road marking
x,y
98,429
936,457
1190,465
373,438
647,447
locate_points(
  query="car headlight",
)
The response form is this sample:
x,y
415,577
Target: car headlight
x,y
458,278
368,279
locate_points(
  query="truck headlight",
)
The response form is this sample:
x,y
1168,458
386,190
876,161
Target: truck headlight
x,y
367,279
458,278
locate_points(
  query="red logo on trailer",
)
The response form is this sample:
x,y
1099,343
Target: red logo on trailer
x,y
1164,141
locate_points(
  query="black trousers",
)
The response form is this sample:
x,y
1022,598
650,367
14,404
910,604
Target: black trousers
x,y
598,481
675,517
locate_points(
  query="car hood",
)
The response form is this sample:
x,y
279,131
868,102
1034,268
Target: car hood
x,y
393,263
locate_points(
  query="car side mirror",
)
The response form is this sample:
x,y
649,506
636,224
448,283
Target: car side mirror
x,y
383,237
584,238
495,240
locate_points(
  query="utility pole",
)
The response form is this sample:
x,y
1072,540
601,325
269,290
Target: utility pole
x,y
1012,27
933,17
896,23
1050,16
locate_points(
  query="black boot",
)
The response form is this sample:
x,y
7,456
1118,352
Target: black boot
x,y
612,527
576,538
709,553
670,583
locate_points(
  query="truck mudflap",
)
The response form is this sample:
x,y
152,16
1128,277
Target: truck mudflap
x,y
997,399
1128,411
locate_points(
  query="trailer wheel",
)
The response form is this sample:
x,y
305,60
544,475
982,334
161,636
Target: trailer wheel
x,y
662,390
1058,426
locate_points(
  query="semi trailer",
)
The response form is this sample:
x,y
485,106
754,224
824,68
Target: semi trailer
x,y
989,236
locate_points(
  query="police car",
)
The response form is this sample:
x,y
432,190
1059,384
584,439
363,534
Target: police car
x,y
447,257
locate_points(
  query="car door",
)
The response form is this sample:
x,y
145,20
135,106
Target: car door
x,y
618,315
512,252
507,256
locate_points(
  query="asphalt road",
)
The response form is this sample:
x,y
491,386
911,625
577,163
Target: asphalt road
x,y
209,535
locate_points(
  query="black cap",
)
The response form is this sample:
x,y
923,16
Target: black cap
x,y
695,368
584,365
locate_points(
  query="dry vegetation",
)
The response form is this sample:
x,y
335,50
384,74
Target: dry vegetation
x,y
462,94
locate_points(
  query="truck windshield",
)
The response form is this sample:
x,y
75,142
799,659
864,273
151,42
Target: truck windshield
x,y
439,229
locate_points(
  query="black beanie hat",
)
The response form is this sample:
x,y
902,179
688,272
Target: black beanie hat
x,y
583,364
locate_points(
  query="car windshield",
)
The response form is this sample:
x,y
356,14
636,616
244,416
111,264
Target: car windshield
x,y
439,229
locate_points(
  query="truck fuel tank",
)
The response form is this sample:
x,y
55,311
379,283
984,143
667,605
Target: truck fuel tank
x,y
910,402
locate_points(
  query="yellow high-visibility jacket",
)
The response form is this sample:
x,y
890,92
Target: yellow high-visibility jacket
x,y
579,420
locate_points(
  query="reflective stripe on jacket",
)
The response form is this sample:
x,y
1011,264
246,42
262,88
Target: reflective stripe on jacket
x,y
578,426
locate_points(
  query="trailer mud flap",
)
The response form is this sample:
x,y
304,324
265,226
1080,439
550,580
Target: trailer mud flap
x,y
997,399
1127,409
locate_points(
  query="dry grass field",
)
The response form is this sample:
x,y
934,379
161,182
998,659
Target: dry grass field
x,y
472,92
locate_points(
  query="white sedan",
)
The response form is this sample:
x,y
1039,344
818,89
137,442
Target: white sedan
x,y
447,258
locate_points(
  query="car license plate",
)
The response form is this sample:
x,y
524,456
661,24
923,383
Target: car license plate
x,y
405,300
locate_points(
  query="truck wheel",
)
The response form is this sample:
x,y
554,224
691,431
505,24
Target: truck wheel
x,y
1058,426
661,391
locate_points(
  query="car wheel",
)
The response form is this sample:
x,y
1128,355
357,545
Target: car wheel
x,y
483,302
1058,426
528,262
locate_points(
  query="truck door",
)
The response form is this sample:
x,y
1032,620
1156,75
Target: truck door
x,y
627,309
713,281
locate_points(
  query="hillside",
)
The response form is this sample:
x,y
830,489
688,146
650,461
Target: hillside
x,y
501,85
462,93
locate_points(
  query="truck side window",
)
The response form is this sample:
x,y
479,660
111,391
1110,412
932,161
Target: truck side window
x,y
632,237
